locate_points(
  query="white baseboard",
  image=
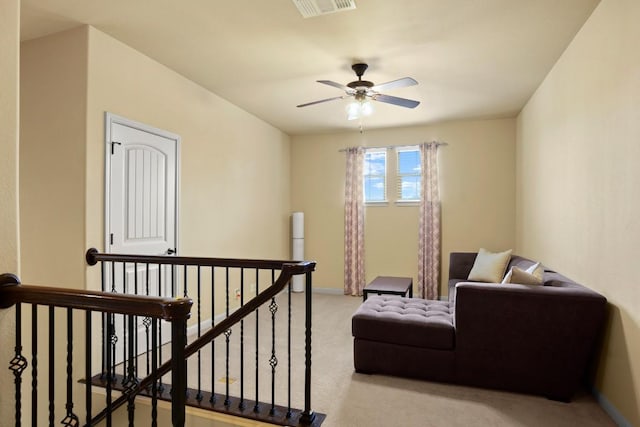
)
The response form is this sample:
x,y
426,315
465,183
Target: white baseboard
x,y
611,410
336,291
328,291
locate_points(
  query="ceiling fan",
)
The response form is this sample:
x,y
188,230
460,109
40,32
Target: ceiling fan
x,y
363,91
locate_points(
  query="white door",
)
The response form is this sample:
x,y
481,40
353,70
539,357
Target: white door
x,y
142,190
141,208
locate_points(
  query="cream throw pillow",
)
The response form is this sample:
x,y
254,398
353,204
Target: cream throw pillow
x,y
489,266
530,276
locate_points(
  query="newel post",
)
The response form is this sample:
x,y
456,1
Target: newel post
x,y
19,363
7,279
178,314
307,416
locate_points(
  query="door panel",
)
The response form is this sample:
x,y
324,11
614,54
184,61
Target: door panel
x,y
142,192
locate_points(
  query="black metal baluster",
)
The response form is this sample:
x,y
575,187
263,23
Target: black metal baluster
x,y
289,350
154,368
147,320
242,404
159,331
212,399
103,287
256,408
199,394
130,381
227,400
87,364
106,319
52,365
70,418
125,341
135,321
174,285
185,280
273,361
113,276
18,364
34,364
113,336
227,290
227,334
110,353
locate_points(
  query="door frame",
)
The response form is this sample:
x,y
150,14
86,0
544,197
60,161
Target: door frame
x,y
109,120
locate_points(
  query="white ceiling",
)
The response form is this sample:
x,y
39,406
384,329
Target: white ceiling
x,y
472,59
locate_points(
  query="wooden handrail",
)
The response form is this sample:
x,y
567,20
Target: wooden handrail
x,y
13,292
93,257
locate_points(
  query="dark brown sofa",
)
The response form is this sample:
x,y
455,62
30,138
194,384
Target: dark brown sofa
x,y
524,338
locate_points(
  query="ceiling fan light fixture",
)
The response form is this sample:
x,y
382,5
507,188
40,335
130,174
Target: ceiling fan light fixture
x,y
366,108
359,108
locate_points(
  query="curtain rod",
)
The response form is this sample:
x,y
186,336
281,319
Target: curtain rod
x,y
396,146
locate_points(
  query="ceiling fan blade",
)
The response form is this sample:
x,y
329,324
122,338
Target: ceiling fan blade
x,y
403,82
338,85
402,102
322,100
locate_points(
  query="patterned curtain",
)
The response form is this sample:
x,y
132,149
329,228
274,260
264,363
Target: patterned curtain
x,y
354,223
429,224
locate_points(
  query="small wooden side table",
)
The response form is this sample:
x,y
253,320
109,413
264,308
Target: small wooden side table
x,y
402,286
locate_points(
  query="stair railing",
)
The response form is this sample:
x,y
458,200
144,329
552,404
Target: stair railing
x,y
104,305
211,283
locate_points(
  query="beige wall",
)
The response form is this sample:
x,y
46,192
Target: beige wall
x,y
477,174
9,220
53,79
578,180
234,168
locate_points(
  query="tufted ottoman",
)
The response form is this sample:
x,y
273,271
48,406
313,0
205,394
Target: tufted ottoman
x,y
409,337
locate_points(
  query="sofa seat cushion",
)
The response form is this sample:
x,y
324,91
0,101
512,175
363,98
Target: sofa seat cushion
x,y
405,321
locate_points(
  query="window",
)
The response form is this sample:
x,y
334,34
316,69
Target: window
x,y
409,174
407,171
375,176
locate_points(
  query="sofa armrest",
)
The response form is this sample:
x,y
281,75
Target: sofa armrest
x,y
538,336
460,264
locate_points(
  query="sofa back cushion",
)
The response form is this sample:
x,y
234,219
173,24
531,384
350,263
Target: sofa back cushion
x,y
460,264
531,276
520,262
489,266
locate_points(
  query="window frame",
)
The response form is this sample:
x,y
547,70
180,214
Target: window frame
x,y
384,176
399,176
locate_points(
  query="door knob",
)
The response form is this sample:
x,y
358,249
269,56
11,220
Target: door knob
x,y
171,251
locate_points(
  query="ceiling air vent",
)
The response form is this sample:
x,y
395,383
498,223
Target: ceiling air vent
x,y
310,8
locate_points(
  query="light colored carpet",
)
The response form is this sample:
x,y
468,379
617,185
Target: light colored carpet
x,y
353,400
